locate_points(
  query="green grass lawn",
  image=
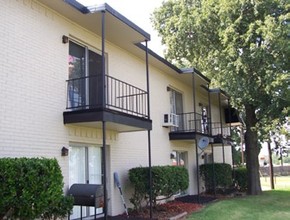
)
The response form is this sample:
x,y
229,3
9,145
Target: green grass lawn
x,y
280,182
271,205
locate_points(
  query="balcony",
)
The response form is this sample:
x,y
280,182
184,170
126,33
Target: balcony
x,y
123,106
192,124
221,133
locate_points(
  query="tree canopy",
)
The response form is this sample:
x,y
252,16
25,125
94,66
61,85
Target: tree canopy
x,y
243,46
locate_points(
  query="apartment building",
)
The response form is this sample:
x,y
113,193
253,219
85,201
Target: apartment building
x,y
83,80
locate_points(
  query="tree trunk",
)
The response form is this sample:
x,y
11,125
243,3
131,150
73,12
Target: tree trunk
x,y
252,152
271,166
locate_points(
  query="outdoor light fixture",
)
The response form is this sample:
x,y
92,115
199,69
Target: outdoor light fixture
x,y
64,39
64,151
172,155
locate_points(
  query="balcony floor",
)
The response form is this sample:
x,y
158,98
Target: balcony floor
x,y
115,120
185,135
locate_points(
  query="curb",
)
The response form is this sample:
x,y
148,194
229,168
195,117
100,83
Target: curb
x,y
179,216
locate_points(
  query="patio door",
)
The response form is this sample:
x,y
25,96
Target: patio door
x,y
176,103
204,120
85,166
85,77
180,158
95,79
76,76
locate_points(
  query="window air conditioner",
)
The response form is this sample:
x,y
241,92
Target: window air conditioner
x,y
170,120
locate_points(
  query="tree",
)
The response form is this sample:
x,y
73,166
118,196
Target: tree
x,y
243,45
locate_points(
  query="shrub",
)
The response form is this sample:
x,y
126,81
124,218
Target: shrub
x,y
220,178
32,188
166,181
139,177
58,209
241,178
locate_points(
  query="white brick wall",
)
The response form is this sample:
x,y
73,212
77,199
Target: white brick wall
x,y
33,97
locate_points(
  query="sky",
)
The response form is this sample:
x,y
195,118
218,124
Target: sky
x,y
139,12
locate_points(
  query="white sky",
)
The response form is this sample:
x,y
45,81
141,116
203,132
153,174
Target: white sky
x,y
137,11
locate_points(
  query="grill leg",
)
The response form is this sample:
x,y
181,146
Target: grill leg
x,y
95,213
81,212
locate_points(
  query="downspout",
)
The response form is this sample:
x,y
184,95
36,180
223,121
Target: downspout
x,y
221,125
103,122
149,132
195,124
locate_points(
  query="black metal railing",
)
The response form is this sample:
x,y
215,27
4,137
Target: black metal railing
x,y
195,122
87,93
192,122
220,129
127,98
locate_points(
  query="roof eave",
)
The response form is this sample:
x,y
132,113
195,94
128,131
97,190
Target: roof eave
x,y
104,7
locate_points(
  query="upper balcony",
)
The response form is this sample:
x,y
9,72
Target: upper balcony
x,y
92,100
191,124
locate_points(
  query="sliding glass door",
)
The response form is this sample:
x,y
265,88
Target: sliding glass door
x,y
85,77
85,166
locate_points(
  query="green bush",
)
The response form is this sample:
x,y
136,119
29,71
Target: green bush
x,y
32,188
139,177
166,181
241,178
221,178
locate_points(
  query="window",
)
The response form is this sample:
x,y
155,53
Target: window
x,y
84,77
208,158
179,158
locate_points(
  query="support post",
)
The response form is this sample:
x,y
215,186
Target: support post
x,y
213,171
149,132
221,126
230,119
103,122
242,145
209,111
195,124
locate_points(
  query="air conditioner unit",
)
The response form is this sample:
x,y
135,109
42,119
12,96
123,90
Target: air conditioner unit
x,y
170,120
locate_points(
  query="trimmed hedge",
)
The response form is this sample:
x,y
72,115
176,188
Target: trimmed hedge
x,y
31,188
241,178
166,181
220,178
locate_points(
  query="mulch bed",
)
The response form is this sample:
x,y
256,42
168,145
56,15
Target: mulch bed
x,y
197,199
180,205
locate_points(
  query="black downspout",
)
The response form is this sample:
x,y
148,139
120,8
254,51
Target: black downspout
x,y
149,131
195,124
103,122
